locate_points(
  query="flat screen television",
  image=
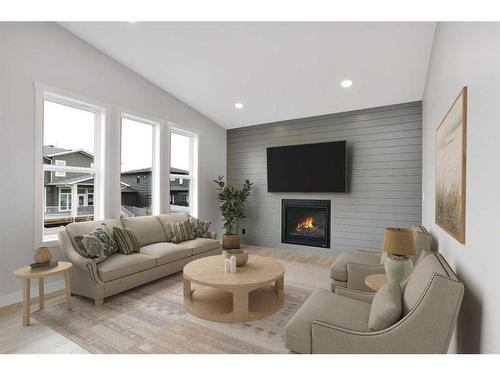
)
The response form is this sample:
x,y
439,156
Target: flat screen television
x,y
316,167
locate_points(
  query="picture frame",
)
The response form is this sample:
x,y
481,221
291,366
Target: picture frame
x,y
451,160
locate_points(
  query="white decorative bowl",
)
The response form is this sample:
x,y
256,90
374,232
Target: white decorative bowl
x,y
241,256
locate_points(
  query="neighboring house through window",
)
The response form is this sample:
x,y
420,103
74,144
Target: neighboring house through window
x,y
183,171
140,138
69,133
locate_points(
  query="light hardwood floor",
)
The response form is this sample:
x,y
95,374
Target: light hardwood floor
x,y
37,338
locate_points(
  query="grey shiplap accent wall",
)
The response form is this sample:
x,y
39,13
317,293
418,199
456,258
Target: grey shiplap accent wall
x,y
384,151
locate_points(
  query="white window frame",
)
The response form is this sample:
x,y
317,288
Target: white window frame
x,y
68,202
61,163
84,195
156,176
192,177
46,92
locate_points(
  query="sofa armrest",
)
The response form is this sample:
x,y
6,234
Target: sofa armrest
x,y
356,274
338,269
370,253
69,253
354,294
212,235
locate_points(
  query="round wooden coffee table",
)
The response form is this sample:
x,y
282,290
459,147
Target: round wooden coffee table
x,y
233,297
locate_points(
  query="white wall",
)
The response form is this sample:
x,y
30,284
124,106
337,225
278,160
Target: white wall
x,y
48,53
468,54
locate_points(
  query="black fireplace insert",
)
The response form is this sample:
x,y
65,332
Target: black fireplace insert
x,y
305,222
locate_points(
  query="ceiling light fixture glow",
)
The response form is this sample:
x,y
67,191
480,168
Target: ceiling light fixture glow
x,y
346,83
238,105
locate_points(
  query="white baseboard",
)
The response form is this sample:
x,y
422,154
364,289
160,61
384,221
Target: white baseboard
x,y
51,286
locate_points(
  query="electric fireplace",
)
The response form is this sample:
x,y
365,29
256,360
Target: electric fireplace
x,y
305,222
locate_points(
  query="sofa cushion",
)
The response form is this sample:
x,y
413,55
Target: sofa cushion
x,y
166,219
386,306
97,245
200,245
169,229
172,218
126,240
338,269
85,227
199,227
119,265
419,278
147,229
325,306
166,252
183,231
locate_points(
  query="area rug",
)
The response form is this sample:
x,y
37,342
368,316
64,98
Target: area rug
x,y
152,319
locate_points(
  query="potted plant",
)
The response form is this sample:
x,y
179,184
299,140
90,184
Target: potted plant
x,y
232,207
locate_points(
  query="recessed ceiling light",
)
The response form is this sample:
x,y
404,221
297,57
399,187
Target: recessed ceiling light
x,y
346,83
132,21
238,105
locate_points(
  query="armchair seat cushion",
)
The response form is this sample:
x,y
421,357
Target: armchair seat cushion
x,y
325,306
119,265
338,269
200,245
166,252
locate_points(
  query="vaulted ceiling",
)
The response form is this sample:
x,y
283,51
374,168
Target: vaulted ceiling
x,y
278,71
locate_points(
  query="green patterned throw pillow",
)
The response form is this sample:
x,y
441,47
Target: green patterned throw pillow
x,y
126,240
183,231
97,245
200,227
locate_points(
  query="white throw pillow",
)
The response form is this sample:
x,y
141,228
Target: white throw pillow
x,y
386,306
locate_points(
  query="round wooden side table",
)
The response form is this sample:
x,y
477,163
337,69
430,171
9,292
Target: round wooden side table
x,y
26,273
375,281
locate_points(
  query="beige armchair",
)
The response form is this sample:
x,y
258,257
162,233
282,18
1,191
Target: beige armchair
x,y
350,268
338,322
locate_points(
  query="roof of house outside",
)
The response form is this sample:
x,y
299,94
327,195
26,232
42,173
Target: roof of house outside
x,y
71,180
135,171
128,189
148,170
51,151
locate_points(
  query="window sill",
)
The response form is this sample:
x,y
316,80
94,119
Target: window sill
x,y
50,241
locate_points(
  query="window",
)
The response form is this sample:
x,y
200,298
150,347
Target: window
x,y
183,175
138,166
63,163
69,137
64,199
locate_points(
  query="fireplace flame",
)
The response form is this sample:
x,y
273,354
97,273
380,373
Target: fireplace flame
x,y
306,223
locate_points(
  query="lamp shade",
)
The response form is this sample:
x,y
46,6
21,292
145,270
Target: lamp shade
x,y
399,241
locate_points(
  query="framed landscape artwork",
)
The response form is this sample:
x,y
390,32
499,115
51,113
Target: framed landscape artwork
x,y
451,146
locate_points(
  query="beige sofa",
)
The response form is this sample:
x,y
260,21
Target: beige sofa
x,y
351,268
157,258
338,322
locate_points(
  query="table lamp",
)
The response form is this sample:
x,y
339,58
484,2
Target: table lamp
x,y
399,244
